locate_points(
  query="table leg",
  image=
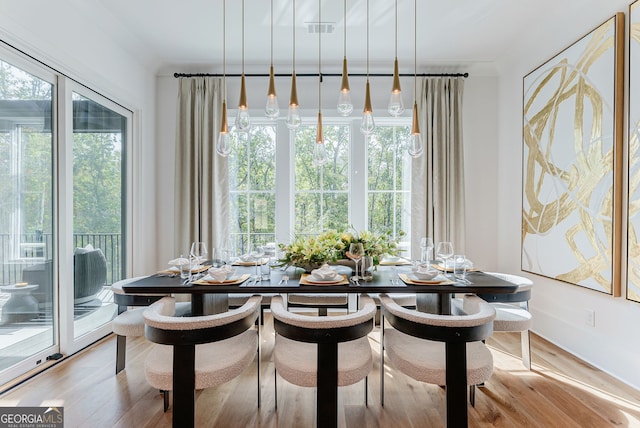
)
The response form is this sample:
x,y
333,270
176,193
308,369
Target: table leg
x,y
434,303
209,304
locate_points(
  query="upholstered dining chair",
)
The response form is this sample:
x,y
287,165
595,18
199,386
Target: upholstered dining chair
x,y
320,301
238,299
323,352
512,312
198,352
444,350
129,322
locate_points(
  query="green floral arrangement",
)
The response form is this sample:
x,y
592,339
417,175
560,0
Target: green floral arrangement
x,y
332,245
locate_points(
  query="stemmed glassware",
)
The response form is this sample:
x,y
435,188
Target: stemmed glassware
x,y
199,252
444,251
257,251
355,253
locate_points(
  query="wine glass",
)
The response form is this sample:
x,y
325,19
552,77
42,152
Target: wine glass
x,y
355,253
426,245
444,251
257,251
199,251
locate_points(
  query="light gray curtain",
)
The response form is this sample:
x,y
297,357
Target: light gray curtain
x,y
202,178
437,186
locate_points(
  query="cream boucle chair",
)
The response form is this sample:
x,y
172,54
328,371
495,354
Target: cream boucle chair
x,y
323,352
320,301
198,352
440,349
512,311
128,322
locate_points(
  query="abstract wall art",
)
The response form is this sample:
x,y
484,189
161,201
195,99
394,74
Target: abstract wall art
x,y
572,162
633,159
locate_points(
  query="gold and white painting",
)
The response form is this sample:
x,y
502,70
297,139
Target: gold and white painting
x,y
633,225
572,126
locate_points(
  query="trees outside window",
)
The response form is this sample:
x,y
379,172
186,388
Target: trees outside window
x,y
270,162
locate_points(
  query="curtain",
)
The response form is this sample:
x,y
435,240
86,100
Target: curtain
x,y
437,186
202,179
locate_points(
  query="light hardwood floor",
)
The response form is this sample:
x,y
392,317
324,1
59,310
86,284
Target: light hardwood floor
x,y
559,391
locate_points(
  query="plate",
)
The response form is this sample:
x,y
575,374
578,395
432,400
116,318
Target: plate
x,y
434,280
207,280
324,281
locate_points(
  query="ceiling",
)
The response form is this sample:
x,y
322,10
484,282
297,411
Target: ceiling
x,y
187,36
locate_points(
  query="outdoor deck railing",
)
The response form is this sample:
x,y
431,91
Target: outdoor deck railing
x,y
34,248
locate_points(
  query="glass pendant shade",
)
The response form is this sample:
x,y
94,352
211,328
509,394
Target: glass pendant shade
x,y
293,117
367,125
414,144
396,106
319,149
223,145
319,154
272,110
243,120
345,107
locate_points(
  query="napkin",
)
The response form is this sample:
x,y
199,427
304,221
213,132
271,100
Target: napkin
x,y
179,261
324,273
424,271
221,273
246,258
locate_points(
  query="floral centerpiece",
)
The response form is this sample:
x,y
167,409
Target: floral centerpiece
x,y
310,252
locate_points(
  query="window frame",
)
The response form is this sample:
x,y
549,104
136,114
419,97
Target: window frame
x,y
285,172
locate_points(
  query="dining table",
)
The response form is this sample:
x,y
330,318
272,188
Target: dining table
x,y
212,298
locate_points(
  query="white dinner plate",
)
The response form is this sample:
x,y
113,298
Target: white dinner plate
x,y
324,281
435,280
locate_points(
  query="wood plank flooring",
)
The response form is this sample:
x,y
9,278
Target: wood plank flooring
x,y
559,391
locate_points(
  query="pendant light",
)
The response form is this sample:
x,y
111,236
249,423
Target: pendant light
x,y
319,149
345,107
367,125
293,116
396,106
272,110
414,144
223,145
243,120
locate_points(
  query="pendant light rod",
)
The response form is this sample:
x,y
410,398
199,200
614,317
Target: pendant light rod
x,y
319,58
465,75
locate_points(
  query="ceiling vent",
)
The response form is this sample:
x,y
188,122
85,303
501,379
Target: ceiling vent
x,y
320,27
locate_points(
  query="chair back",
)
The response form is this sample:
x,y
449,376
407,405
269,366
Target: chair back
x,y
322,329
89,274
475,325
522,294
123,300
161,326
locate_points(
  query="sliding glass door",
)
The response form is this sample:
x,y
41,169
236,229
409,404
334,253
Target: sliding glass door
x,y
27,234
63,181
92,248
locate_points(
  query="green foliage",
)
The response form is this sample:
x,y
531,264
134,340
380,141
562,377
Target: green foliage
x,y
332,245
97,183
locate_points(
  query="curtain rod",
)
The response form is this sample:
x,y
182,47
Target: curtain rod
x,y
465,75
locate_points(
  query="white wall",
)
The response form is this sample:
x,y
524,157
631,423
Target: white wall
x,y
70,39
480,134
559,308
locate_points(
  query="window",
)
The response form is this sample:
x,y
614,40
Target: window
x,y
277,192
388,180
252,189
321,193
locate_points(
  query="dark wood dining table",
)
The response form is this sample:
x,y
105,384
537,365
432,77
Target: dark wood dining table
x,y
208,299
